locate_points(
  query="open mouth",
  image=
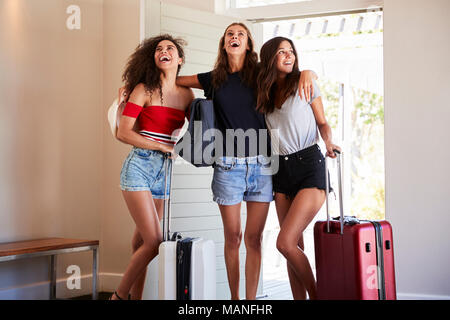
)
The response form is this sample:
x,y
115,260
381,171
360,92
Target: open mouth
x,y
164,59
288,63
235,44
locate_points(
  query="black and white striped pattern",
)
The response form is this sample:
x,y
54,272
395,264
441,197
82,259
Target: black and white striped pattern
x,y
159,137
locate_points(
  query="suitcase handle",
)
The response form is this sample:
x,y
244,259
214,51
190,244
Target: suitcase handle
x,y
166,210
327,191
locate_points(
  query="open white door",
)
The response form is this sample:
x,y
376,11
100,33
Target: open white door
x,y
194,214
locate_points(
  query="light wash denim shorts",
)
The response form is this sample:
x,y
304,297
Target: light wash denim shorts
x,y
242,179
144,170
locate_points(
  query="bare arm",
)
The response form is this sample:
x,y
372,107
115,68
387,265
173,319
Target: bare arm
x,y
125,132
189,81
324,127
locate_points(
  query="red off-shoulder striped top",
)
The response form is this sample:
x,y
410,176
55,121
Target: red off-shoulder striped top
x,y
157,123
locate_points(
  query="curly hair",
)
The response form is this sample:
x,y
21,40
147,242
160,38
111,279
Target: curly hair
x,y
268,74
141,66
221,68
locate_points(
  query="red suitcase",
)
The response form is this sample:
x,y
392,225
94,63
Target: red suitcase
x,y
354,258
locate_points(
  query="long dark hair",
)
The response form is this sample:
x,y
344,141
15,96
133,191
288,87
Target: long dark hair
x,y
141,67
268,74
222,68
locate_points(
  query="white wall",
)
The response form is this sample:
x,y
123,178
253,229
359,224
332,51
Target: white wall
x,y
417,110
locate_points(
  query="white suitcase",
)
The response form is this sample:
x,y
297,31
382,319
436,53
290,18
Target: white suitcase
x,y
200,264
202,270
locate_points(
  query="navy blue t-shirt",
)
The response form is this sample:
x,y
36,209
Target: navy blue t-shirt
x,y
235,108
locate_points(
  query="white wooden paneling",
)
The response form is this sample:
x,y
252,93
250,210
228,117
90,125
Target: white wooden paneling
x,y
198,43
194,214
220,263
185,181
195,209
190,28
182,167
201,57
196,16
191,195
190,69
196,223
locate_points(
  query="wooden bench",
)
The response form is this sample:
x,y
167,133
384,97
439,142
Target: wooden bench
x,y
51,247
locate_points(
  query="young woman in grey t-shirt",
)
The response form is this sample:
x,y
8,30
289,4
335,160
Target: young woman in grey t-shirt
x,y
299,183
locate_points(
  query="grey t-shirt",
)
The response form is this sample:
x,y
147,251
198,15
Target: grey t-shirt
x,y
293,127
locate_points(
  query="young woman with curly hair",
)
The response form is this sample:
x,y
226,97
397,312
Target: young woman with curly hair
x,y
299,184
239,173
159,106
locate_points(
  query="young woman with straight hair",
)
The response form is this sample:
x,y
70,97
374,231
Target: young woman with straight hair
x,y
299,184
240,173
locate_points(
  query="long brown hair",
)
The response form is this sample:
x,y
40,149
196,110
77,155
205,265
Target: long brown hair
x,y
268,74
221,68
141,66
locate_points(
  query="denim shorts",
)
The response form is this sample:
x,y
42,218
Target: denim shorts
x,y
144,170
242,179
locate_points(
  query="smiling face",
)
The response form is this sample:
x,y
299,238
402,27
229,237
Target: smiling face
x,y
236,40
166,56
285,58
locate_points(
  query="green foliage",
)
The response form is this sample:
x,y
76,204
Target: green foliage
x,y
367,148
330,98
369,107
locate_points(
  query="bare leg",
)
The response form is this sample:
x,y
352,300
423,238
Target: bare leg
x,y
301,212
297,287
138,286
231,218
282,204
143,211
256,219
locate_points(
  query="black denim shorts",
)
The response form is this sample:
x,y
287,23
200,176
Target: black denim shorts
x,y
300,170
